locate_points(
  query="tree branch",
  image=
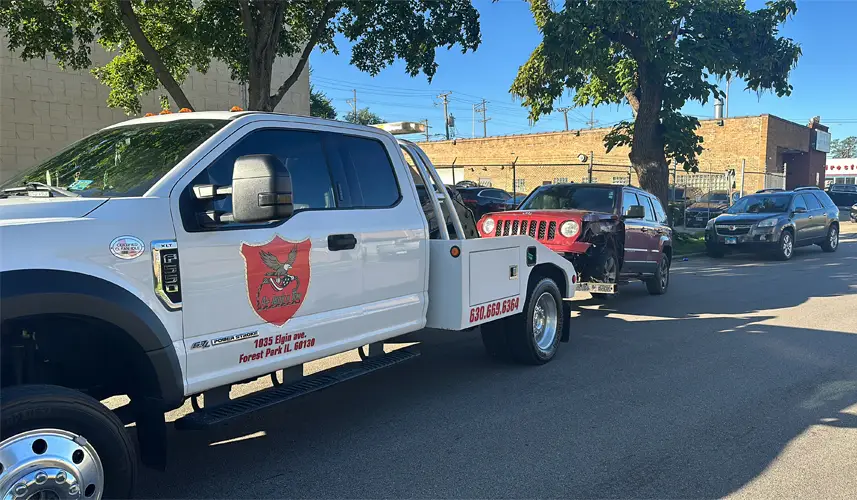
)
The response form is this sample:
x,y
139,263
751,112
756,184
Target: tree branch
x,y
129,19
633,101
247,20
329,11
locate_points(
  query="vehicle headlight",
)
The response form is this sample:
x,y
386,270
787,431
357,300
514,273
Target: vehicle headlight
x,y
710,223
768,222
569,228
488,225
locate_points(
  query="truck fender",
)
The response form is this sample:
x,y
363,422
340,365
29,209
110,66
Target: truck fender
x,y
32,292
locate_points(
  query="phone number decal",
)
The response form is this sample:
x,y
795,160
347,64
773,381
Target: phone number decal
x,y
498,308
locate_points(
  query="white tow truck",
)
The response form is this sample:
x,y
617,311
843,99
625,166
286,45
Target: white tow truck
x,y
174,256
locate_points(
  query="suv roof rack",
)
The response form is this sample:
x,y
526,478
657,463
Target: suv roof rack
x,y
770,190
804,188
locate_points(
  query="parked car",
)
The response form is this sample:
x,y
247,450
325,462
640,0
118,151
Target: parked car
x,y
843,195
610,233
679,199
853,214
466,184
707,207
513,202
776,223
484,199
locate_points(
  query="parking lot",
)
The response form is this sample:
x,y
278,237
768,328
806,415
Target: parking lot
x,y
740,381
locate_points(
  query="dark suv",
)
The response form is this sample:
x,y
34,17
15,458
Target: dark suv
x,y
777,223
484,199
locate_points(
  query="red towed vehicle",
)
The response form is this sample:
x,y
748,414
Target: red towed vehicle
x,y
612,234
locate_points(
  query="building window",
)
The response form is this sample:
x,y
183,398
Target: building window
x,y
620,180
520,184
485,182
560,180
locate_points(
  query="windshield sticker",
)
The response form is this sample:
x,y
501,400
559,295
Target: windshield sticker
x,y
127,247
79,185
278,276
610,195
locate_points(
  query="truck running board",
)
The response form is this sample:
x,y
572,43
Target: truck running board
x,y
207,417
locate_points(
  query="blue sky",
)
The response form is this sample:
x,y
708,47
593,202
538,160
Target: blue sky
x,y
825,79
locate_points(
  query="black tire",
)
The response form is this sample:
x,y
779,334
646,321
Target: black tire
x,y
31,407
786,246
521,334
658,284
606,270
831,240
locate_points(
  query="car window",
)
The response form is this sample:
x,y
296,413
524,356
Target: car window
x,y
647,207
629,199
660,215
812,202
302,152
493,194
798,202
368,171
824,199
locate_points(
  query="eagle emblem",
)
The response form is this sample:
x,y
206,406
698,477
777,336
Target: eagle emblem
x,y
278,275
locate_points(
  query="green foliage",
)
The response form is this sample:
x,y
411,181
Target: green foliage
x,y
245,35
655,55
843,148
320,105
363,117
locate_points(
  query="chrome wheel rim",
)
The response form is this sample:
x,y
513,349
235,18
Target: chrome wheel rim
x,y
50,464
665,273
788,246
545,319
834,237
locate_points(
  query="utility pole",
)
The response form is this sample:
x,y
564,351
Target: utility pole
x,y
726,107
425,122
592,121
482,108
445,97
473,127
353,103
565,111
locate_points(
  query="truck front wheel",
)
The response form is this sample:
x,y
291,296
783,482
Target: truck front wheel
x,y
60,443
531,337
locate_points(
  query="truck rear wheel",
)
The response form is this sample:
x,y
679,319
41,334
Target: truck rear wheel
x,y
60,443
531,337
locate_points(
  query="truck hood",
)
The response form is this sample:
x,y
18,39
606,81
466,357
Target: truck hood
x,y
552,214
17,208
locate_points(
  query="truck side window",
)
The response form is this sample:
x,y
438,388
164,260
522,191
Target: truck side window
x,y
629,199
647,206
368,171
300,151
660,215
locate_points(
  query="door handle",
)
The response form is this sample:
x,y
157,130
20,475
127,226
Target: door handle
x,y
644,229
810,217
336,242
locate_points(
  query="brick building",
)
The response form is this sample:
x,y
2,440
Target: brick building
x,y
43,108
767,148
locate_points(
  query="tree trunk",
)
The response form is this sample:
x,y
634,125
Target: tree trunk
x,y
647,148
129,19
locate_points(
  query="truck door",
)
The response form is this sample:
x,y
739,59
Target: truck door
x,y
258,297
636,239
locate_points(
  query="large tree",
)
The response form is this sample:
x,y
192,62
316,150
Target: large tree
x,y
654,55
158,42
843,148
363,117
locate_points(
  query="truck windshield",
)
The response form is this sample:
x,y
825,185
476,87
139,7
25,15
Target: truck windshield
x,y
122,161
761,204
572,197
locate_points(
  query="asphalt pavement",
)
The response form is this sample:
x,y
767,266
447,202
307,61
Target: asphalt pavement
x,y
740,381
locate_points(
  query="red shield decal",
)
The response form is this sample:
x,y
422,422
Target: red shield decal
x,y
278,274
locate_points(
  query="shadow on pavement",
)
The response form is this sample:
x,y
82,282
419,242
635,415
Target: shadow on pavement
x,y
669,405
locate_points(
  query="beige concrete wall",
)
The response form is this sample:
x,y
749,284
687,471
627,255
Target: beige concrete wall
x,y
43,109
550,156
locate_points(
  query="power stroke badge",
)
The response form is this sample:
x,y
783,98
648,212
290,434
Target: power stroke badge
x,y
278,275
